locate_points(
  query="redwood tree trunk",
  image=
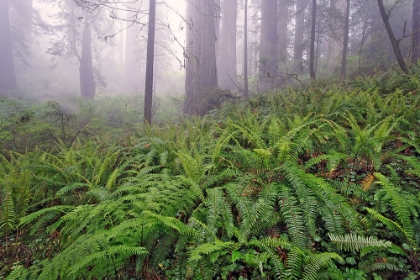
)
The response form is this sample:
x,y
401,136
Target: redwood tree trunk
x,y
148,91
227,69
87,81
346,40
312,45
299,35
268,64
201,73
336,34
245,63
7,68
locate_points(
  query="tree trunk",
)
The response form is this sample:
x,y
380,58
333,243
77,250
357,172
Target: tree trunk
x,y
346,40
283,19
336,33
87,81
312,46
391,36
148,91
299,36
201,73
227,69
7,68
245,66
415,56
24,14
217,23
268,64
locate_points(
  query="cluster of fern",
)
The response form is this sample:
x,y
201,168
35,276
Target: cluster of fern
x,y
321,183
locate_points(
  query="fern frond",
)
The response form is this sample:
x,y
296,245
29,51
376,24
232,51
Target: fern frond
x,y
353,242
316,262
207,248
367,182
398,205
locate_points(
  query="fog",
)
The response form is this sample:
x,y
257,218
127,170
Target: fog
x,y
94,49
51,68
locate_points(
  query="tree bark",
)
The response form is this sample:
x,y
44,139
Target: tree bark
x,y
148,91
245,66
336,33
87,80
7,69
282,31
312,45
227,69
200,53
24,16
392,38
299,36
268,64
346,40
415,56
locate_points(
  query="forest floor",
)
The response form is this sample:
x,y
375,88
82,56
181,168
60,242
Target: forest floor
x,y
316,182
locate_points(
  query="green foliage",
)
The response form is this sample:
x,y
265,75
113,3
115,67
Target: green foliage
x,y
314,184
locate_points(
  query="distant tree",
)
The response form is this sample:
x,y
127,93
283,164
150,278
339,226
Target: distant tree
x,y
73,40
23,19
312,44
148,91
415,56
282,30
245,60
200,53
227,50
268,64
7,67
299,35
346,39
394,42
87,80
336,33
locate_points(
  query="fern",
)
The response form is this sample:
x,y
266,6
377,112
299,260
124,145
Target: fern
x,y
353,242
398,204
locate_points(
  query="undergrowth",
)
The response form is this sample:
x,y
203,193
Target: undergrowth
x,y
317,183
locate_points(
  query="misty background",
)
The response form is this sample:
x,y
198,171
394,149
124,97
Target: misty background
x,y
47,41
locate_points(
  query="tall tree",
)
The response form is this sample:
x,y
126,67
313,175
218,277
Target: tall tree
x,y
312,44
415,56
283,19
268,64
227,69
336,33
245,63
23,18
200,52
7,68
394,42
346,40
299,35
148,91
87,80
